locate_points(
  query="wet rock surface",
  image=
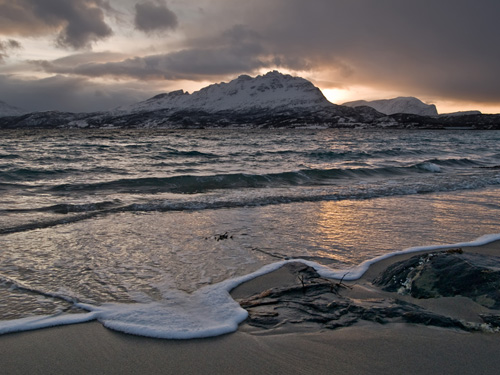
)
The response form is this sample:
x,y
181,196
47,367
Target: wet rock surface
x,y
332,304
446,274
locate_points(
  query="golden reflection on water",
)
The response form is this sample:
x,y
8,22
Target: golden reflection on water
x,y
115,256
343,229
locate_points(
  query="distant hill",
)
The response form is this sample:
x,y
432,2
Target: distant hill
x,y
9,110
461,113
409,105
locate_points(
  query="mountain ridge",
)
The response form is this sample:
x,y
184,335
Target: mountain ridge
x,y
7,110
401,104
273,100
272,90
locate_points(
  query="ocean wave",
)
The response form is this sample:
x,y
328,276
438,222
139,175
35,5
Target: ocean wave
x,y
429,167
36,174
70,213
339,154
9,156
170,153
369,192
7,186
195,184
28,174
453,162
434,165
326,155
64,208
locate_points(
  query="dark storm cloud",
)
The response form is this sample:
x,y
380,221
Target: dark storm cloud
x,y
78,23
195,64
6,47
237,50
67,63
154,16
444,48
67,94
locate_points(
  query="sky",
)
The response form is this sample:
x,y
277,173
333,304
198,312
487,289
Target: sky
x,y
91,55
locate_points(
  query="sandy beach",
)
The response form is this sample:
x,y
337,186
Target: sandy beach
x,y
365,347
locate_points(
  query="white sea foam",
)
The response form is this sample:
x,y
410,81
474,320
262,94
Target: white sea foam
x,y
210,311
44,321
430,167
358,271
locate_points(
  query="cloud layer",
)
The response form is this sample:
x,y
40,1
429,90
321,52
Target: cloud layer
x,y
6,47
236,51
443,50
154,16
70,94
76,23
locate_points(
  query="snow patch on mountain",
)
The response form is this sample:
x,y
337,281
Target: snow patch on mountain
x,y
9,110
270,91
408,105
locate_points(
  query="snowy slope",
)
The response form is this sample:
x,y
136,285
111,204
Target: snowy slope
x,y
9,110
409,105
270,91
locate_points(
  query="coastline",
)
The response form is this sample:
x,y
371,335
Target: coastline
x,y
365,347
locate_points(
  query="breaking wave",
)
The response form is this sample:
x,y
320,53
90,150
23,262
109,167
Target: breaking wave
x,y
68,213
194,184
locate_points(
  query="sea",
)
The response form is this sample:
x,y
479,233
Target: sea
x,y
147,230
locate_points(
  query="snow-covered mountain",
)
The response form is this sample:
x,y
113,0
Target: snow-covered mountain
x,y
270,91
273,100
9,110
401,104
270,100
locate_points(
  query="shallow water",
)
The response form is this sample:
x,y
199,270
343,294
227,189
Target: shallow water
x,y
134,216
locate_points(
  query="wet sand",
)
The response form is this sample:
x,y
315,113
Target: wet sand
x,y
363,348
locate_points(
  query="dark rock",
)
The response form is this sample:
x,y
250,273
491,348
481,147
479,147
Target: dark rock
x,y
312,301
276,307
430,319
327,303
492,320
446,274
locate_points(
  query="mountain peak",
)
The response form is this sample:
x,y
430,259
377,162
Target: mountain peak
x,y
401,104
9,110
244,77
269,91
274,74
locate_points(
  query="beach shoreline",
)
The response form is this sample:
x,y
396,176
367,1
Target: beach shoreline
x,y
365,347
